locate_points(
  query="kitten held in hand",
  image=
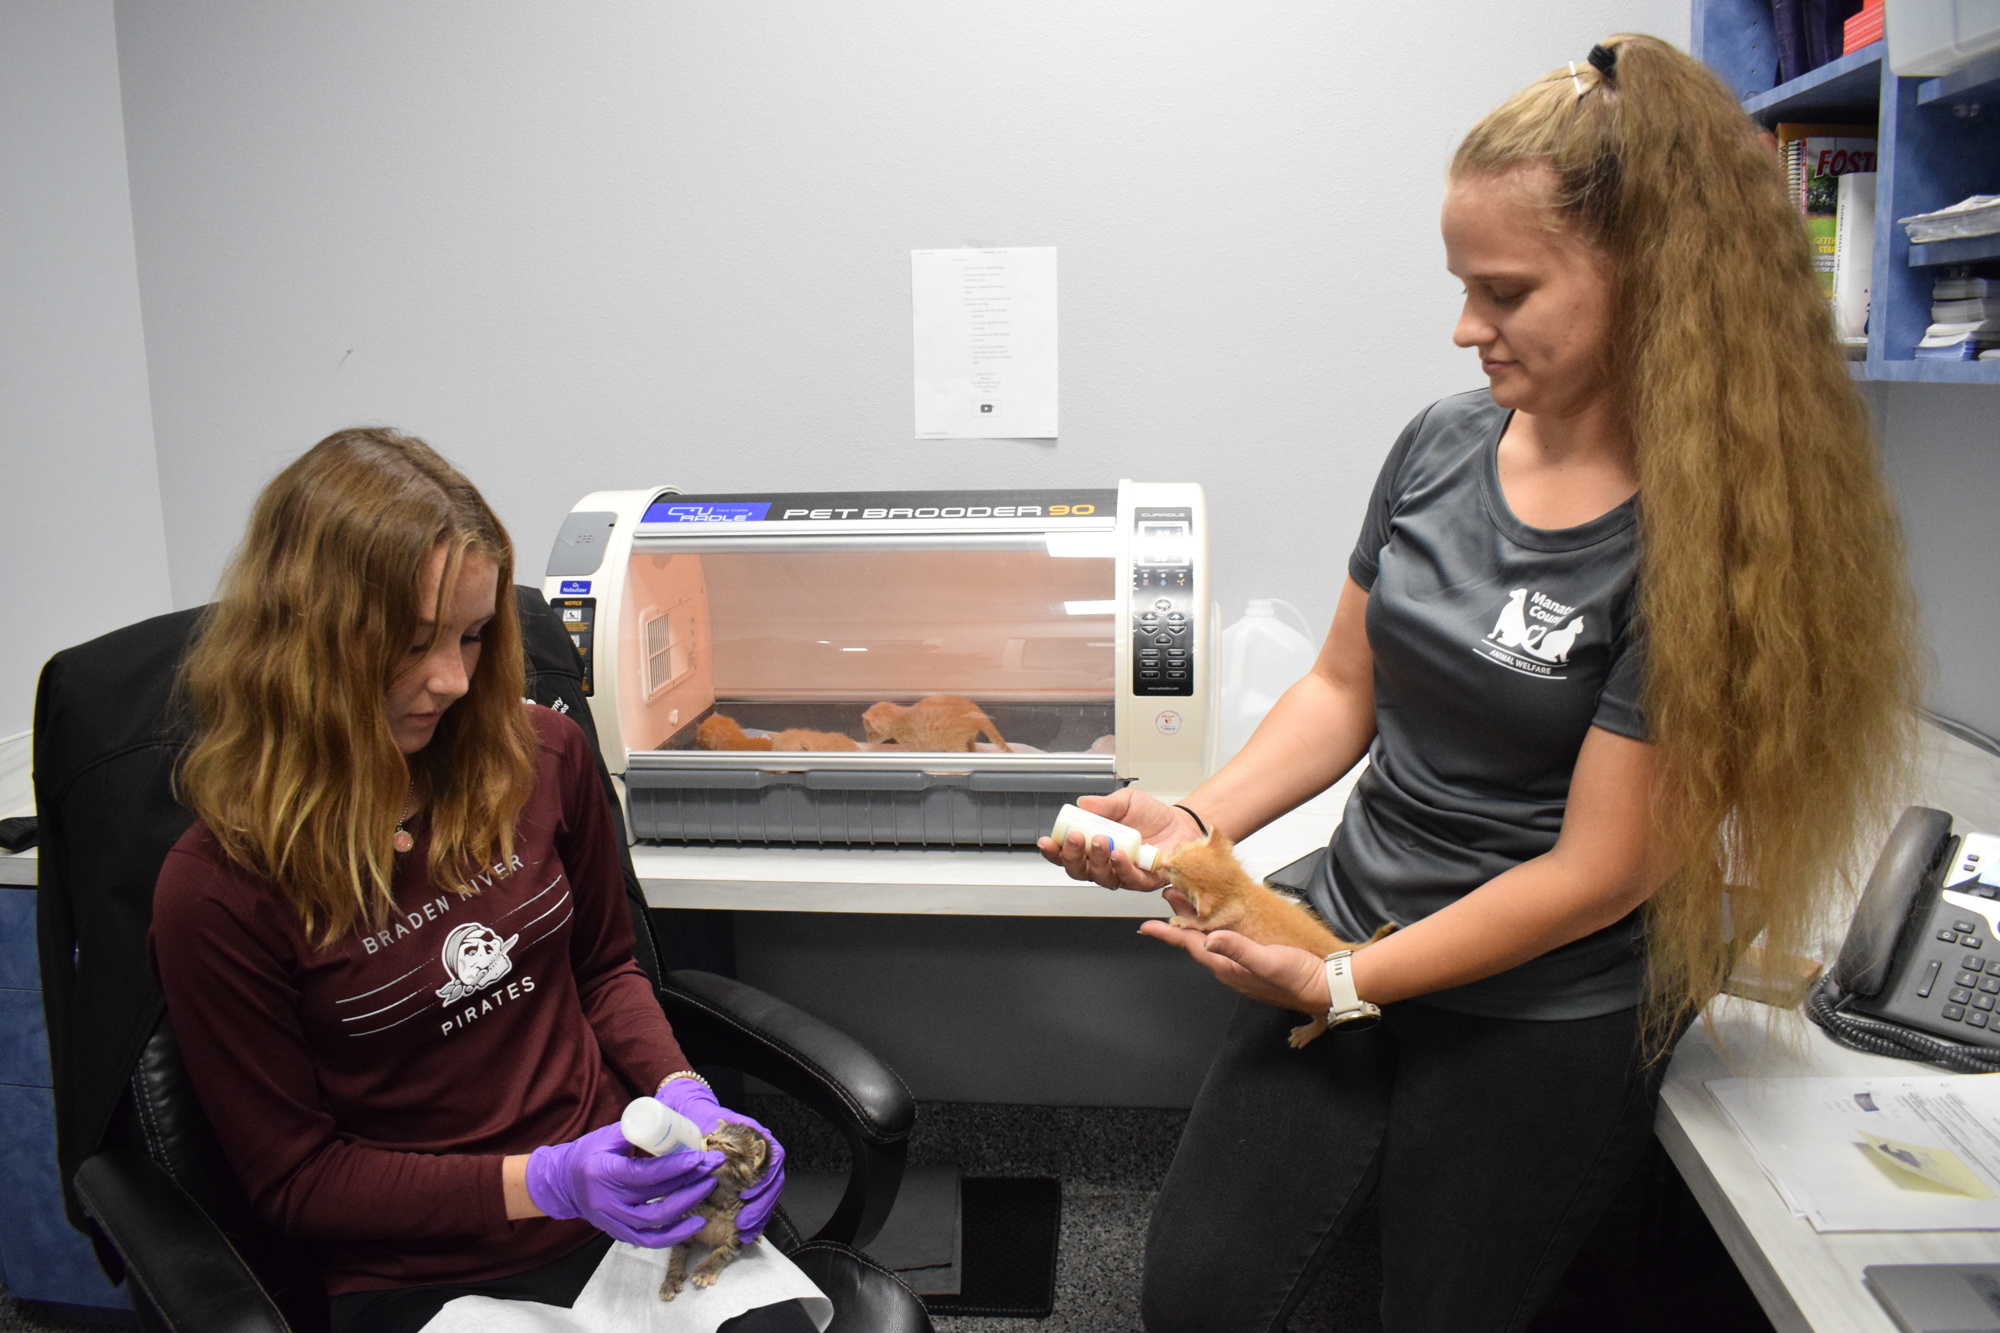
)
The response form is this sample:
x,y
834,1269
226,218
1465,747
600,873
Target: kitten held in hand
x,y
1225,897
745,1155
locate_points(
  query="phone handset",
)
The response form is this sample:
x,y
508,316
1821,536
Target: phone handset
x,y
1908,861
1913,978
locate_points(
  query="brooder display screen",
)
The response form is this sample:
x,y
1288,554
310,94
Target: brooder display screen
x,y
1162,544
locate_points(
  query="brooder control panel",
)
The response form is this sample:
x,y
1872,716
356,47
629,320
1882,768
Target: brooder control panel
x,y
1163,602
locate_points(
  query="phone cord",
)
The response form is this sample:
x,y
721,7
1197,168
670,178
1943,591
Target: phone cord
x,y
1877,1037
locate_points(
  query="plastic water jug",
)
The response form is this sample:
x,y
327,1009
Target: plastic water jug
x,y
1262,657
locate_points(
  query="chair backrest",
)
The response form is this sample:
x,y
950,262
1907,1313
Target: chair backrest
x,y
108,733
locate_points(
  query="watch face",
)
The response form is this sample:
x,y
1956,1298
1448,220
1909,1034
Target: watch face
x,y
1358,1021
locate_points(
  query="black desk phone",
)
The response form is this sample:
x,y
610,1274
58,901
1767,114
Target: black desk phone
x,y
1919,974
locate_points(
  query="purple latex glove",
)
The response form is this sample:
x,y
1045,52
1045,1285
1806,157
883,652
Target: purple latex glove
x,y
636,1198
693,1099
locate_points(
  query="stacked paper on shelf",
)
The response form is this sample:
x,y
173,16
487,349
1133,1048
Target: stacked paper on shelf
x,y
1968,310
1958,284
1875,1154
1977,215
1959,342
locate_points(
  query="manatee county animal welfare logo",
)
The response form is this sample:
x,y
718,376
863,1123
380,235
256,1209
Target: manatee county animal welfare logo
x,y
1533,635
474,958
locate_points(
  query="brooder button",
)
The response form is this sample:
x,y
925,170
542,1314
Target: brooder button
x,y
1176,615
1149,615
1162,604
1163,638
1954,1013
1177,675
1149,675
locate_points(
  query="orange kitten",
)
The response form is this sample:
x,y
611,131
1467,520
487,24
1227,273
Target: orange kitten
x,y
1224,897
717,732
798,738
942,722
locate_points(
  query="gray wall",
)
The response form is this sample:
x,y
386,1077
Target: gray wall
x,y
1942,451
81,545
590,245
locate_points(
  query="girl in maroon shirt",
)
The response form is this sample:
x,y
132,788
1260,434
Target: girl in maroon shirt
x,y
395,944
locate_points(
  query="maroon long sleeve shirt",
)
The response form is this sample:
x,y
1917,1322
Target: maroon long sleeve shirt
x,y
366,1093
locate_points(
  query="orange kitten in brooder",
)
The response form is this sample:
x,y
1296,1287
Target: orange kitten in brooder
x,y
942,722
1225,897
720,732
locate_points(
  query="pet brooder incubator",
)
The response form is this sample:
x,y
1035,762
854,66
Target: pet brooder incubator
x,y
889,669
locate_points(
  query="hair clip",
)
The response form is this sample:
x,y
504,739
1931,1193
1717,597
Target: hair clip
x,y
1574,81
1604,60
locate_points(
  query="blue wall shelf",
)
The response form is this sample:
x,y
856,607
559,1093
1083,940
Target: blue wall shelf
x,y
1936,144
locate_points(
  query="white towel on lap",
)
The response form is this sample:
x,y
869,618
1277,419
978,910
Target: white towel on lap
x,y
623,1296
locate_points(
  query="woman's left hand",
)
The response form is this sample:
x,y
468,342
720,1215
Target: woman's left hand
x,y
1273,974
695,1100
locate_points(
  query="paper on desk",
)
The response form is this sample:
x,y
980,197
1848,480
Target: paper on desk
x,y
1875,1154
983,325
624,1294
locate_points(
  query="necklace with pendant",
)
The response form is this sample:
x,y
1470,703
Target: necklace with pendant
x,y
403,841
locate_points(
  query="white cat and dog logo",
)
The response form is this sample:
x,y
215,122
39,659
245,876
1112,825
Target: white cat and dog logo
x,y
1534,635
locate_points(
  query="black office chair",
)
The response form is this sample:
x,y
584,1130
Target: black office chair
x,y
145,1175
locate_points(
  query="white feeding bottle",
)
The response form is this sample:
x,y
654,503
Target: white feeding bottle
x,y
657,1129
1074,819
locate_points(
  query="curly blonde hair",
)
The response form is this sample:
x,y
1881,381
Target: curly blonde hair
x,y
1779,626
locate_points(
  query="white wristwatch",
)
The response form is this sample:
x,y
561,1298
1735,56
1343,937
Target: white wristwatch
x,y
1345,1007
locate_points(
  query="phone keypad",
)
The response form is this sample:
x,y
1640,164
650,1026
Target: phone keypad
x,y
1970,1000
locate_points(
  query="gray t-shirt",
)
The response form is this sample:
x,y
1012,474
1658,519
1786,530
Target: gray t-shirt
x,y
1497,647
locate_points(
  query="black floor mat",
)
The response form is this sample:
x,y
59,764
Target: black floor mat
x,y
1010,1229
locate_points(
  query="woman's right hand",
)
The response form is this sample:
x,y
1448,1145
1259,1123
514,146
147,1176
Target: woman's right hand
x,y
628,1195
1093,859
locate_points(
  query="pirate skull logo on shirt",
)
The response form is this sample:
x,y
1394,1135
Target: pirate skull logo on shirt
x,y
475,957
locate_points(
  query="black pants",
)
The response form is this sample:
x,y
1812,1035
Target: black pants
x,y
1491,1146
407,1309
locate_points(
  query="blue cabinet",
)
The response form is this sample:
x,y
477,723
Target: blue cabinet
x,y
1938,140
41,1257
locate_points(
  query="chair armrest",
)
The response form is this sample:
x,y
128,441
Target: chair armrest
x,y
174,1254
729,1023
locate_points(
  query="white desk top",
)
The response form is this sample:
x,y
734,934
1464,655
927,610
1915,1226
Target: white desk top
x,y
1804,1279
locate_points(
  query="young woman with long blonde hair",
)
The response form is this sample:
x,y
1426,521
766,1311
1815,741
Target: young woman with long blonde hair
x,y
1624,629
395,943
